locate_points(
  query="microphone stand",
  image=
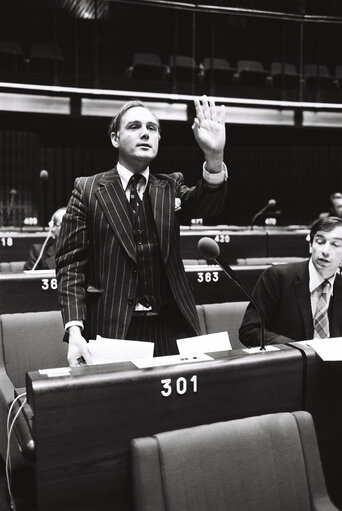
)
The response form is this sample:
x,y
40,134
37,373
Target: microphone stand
x,y
231,274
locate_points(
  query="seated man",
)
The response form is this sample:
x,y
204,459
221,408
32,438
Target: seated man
x,y
301,300
42,256
335,206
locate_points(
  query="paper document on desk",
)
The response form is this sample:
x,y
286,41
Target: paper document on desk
x,y
327,349
208,343
106,351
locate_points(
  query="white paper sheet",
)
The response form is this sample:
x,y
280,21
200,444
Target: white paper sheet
x,y
328,349
106,351
208,343
169,360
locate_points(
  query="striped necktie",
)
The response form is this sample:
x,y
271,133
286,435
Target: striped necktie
x,y
321,320
134,198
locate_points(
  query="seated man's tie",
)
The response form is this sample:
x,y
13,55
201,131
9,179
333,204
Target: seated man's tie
x,y
321,319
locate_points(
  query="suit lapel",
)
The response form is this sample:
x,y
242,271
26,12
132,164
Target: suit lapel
x,y
336,316
113,201
303,297
162,197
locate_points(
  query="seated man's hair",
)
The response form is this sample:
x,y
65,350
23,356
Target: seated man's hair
x,y
324,224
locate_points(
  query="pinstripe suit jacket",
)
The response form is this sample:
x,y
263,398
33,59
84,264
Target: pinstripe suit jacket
x,y
96,253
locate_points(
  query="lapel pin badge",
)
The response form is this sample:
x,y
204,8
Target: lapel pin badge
x,y
178,204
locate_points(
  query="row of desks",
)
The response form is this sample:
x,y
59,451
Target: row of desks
x,y
37,291
234,244
99,409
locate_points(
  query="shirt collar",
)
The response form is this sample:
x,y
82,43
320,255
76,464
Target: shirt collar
x,y
126,174
315,279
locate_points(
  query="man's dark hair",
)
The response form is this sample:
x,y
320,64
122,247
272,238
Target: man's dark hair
x,y
115,123
324,224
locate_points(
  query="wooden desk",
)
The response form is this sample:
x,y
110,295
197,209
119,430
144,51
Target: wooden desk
x,y
28,292
37,291
83,421
233,244
283,243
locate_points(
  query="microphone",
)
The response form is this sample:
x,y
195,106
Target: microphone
x,y
271,204
43,205
209,249
12,192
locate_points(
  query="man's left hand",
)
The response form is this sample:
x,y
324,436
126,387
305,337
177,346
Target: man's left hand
x,y
209,128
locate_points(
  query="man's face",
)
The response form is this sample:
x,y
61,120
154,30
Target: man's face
x,y
326,251
57,222
337,207
137,138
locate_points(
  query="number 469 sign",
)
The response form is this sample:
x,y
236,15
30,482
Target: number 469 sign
x,y
180,386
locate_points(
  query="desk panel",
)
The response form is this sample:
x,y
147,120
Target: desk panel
x,y
211,285
15,246
83,421
37,291
287,244
233,245
34,292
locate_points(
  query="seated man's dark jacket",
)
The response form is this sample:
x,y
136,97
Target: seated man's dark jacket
x,y
47,261
283,295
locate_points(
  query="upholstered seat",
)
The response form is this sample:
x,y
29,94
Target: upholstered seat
x,y
268,463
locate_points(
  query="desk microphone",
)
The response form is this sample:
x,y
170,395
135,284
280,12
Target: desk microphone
x,y
209,249
271,203
13,192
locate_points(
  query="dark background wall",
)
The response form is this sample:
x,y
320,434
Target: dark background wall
x,y
299,167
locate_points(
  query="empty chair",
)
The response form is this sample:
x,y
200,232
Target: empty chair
x,y
223,317
28,341
338,73
252,72
219,69
268,463
11,266
46,59
11,56
284,75
183,68
147,66
318,77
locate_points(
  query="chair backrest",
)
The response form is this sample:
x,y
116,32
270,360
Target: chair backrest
x,y
283,68
30,341
46,51
182,61
147,59
12,47
12,266
216,63
314,70
270,462
249,65
338,71
221,317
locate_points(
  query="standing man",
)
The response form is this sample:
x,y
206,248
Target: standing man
x,y
119,268
300,301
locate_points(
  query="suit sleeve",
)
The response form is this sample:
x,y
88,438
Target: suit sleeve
x,y
72,256
267,293
200,200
